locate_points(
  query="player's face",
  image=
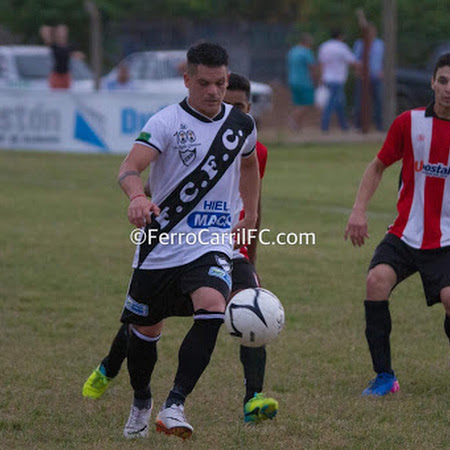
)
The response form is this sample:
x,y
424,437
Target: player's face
x,y
238,99
441,87
207,87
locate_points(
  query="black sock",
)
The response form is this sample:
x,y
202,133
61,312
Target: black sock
x,y
142,355
117,353
447,326
195,354
378,330
254,361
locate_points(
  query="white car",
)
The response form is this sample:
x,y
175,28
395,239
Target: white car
x,y
28,66
162,71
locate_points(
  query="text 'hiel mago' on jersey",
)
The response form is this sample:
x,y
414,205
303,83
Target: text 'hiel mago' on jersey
x,y
186,206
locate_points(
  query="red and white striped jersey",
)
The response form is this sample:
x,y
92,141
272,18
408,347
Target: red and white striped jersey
x,y
422,141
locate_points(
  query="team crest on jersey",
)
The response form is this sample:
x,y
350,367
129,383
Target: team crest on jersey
x,y
187,156
186,144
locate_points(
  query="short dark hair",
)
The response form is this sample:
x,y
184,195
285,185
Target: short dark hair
x,y
207,54
238,82
443,60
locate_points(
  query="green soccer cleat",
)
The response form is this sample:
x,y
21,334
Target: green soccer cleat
x,y
96,384
260,408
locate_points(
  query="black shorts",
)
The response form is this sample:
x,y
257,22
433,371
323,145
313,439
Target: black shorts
x,y
243,275
433,265
154,295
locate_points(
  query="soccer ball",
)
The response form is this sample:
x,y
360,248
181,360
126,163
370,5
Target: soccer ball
x,y
254,317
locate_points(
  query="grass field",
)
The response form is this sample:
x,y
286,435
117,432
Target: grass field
x,y
64,267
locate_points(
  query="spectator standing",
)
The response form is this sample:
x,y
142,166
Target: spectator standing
x,y
57,38
335,57
376,58
122,80
301,67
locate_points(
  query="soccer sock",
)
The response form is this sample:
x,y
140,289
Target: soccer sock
x,y
195,354
112,363
142,355
378,330
254,361
447,326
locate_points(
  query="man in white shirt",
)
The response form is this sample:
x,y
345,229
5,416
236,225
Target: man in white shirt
x,y
335,57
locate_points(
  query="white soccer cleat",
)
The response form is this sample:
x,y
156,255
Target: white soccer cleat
x,y
137,423
173,421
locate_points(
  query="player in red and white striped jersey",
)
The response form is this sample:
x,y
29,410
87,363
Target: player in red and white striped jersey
x,y
419,239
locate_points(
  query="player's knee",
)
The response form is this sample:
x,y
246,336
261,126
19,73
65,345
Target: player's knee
x,y
380,281
151,331
208,299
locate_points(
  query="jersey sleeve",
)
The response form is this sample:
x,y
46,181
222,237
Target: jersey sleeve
x,y
154,133
250,143
393,147
261,153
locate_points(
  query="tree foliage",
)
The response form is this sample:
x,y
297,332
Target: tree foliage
x,y
420,26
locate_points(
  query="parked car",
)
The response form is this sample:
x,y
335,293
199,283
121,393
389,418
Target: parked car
x,y
414,85
28,66
162,71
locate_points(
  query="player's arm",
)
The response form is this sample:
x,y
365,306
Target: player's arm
x,y
357,228
249,187
129,179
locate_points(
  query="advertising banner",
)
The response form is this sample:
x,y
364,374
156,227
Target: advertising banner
x,y
67,121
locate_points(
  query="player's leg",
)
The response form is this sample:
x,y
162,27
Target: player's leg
x,y
380,281
208,282
141,357
99,380
257,406
193,358
391,263
435,274
144,310
445,299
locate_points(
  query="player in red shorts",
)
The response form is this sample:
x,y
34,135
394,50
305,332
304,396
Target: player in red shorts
x,y
257,407
419,239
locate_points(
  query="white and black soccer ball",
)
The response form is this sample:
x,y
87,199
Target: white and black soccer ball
x,y
254,317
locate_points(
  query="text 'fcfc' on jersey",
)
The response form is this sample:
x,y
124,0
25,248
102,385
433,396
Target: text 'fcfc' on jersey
x,y
194,181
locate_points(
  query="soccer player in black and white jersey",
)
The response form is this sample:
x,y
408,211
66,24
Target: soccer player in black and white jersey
x,y
201,156
257,407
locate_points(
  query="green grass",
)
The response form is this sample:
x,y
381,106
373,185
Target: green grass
x,y
64,267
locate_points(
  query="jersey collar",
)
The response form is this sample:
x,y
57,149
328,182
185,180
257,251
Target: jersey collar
x,y
430,112
185,105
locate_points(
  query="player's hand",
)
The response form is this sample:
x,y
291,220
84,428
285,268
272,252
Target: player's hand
x,y
140,210
244,231
357,228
